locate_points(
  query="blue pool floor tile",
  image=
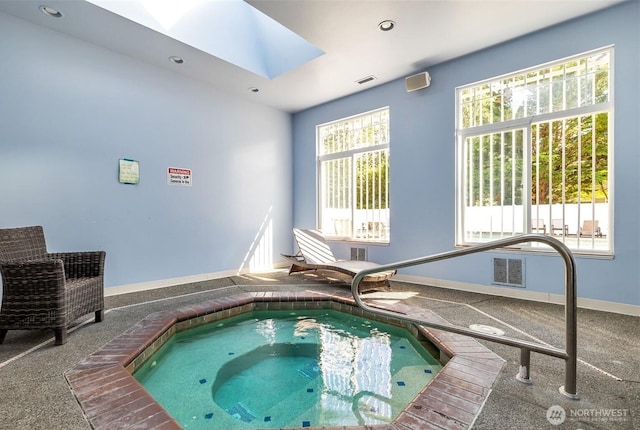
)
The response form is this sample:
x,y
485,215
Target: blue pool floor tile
x,y
306,423
239,411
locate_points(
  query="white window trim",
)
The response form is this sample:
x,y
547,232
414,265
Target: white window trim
x,y
348,153
526,124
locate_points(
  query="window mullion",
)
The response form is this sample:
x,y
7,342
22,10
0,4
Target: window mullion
x,y
564,170
526,179
514,199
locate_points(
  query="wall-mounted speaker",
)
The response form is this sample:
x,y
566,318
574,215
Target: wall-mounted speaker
x,y
417,82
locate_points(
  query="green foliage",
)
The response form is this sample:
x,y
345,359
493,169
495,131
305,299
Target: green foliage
x,y
372,190
569,156
565,155
496,169
360,177
569,163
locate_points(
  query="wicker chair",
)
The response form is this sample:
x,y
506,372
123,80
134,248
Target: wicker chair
x,y
42,290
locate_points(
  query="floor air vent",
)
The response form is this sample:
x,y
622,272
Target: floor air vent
x,y
508,271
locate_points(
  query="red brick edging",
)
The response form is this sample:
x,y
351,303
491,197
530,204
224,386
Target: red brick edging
x,y
112,398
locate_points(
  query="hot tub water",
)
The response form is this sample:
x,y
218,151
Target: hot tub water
x,y
272,369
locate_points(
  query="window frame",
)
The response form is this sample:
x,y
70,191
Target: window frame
x,y
382,232
527,124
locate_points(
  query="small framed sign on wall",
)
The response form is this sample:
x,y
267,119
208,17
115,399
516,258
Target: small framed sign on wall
x,y
180,176
129,171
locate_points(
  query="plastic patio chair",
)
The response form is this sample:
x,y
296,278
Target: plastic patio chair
x,y
590,228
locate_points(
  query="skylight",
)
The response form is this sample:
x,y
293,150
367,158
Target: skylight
x,y
231,30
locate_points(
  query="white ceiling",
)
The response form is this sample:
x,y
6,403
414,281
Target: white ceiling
x,y
427,32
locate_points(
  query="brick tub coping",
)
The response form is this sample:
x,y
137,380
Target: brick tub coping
x,y
111,397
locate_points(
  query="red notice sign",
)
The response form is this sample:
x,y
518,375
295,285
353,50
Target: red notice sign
x,y
179,176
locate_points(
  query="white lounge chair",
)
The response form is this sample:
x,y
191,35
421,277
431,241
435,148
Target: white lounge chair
x,y
538,226
590,228
315,254
558,228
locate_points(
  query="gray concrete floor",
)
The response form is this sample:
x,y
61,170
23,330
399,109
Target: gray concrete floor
x,y
35,394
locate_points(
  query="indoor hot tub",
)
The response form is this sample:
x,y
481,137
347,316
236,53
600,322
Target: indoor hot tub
x,y
111,397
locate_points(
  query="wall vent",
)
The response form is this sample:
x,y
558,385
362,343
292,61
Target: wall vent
x,y
508,271
359,254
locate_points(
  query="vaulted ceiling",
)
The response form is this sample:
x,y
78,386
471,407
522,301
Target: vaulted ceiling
x,y
346,33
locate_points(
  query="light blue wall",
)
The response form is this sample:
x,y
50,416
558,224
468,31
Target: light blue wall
x,y
423,151
69,110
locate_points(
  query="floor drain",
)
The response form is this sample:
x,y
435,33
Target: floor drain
x,y
487,329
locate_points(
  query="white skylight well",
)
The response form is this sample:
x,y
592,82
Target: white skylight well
x,y
231,30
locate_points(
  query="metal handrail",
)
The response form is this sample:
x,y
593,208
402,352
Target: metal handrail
x,y
569,354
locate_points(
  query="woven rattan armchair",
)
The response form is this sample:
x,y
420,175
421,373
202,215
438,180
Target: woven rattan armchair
x,y
43,290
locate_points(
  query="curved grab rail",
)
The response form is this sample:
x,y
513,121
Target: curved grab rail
x,y
569,354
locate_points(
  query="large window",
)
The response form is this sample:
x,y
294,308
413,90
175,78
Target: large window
x,y
353,177
535,152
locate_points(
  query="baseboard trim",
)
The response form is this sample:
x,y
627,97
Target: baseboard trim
x,y
519,293
163,283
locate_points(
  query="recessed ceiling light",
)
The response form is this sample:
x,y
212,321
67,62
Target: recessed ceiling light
x,y
48,10
386,25
253,89
176,60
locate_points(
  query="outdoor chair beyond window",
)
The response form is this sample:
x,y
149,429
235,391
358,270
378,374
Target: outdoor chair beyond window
x,y
590,228
538,226
557,227
315,254
47,291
